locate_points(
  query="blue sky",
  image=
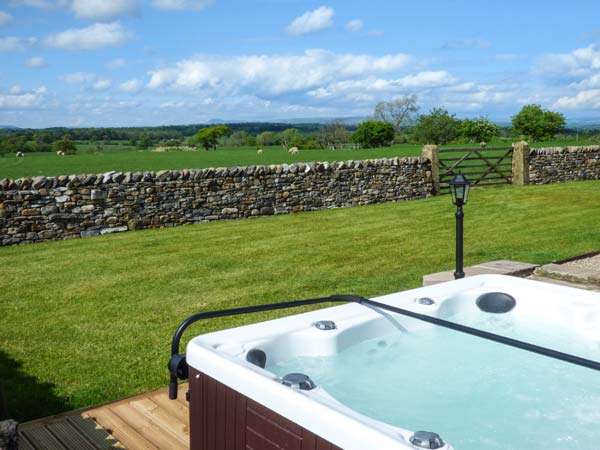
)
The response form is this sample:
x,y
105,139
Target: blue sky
x,y
155,62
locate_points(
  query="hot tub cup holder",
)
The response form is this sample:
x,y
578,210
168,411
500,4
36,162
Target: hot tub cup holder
x,y
425,301
427,439
325,325
298,381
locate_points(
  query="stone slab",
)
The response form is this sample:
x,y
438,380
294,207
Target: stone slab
x,y
500,267
570,273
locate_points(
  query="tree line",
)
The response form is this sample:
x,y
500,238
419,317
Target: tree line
x,y
396,121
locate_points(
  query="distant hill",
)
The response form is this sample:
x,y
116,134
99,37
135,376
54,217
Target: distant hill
x,y
303,120
8,127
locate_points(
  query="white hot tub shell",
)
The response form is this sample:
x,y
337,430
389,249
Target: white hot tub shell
x,y
222,356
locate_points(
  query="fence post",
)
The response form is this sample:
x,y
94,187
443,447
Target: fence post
x,y
432,153
520,163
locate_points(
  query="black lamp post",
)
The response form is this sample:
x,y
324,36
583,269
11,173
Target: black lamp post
x,y
459,188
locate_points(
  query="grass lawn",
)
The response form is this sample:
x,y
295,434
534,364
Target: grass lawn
x,y
121,158
85,321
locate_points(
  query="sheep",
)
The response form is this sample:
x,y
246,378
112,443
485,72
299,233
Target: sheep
x,y
293,151
259,151
20,155
483,144
60,153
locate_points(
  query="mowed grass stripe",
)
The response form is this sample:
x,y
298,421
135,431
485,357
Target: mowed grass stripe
x,y
90,320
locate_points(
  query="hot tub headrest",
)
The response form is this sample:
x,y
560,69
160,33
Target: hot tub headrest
x,y
496,302
257,357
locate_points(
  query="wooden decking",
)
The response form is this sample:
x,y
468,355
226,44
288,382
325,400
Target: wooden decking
x,y
148,421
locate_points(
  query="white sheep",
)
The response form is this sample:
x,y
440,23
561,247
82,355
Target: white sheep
x,y
20,155
293,151
259,151
60,153
483,144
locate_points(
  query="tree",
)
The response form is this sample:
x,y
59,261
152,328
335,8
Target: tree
x,y
265,138
143,141
332,136
372,133
65,145
478,130
538,124
437,127
209,137
237,139
397,111
290,137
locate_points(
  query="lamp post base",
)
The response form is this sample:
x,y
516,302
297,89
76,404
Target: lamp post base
x,y
459,275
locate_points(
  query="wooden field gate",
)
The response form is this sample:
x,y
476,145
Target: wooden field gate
x,y
485,166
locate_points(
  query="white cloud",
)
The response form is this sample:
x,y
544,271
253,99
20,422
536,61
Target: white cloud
x,y
312,21
182,4
589,99
116,63
36,62
79,77
17,99
354,25
593,81
101,85
105,10
5,18
468,43
362,89
172,104
272,75
508,57
375,33
99,35
471,96
16,44
132,86
44,4
578,64
426,80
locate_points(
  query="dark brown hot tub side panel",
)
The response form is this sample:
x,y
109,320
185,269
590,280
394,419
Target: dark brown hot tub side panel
x,y
223,419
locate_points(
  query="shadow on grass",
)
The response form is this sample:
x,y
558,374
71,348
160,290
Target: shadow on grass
x,y
23,397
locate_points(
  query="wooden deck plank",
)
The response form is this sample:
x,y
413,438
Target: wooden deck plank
x,y
95,433
121,430
162,419
148,429
149,421
24,443
40,438
70,436
177,409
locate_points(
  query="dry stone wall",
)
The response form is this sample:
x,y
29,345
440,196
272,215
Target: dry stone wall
x,y
558,164
54,208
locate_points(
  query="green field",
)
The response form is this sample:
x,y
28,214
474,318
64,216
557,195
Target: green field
x,y
125,159
90,320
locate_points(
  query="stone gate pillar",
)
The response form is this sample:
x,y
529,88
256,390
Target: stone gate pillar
x,y
520,163
432,153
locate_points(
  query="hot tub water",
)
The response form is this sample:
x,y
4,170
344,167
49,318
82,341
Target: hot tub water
x,y
475,393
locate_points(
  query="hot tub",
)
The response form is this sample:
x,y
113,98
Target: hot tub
x,y
354,377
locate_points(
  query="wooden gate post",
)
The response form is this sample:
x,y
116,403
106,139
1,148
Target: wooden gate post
x,y
432,153
520,164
